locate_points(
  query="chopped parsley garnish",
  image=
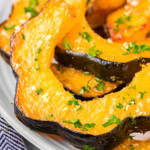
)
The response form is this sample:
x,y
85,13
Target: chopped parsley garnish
x,y
33,3
112,120
35,59
31,10
133,121
9,27
37,67
120,106
39,91
86,36
88,126
23,36
86,88
123,98
77,124
60,68
38,51
132,102
132,147
93,52
133,47
66,44
142,94
86,73
86,147
87,3
121,20
75,103
50,116
129,26
132,87
100,85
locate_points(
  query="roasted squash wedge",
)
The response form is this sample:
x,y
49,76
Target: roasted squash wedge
x,y
77,81
22,11
110,61
99,9
5,34
130,144
131,22
41,101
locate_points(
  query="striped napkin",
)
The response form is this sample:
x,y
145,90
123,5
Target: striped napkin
x,y
9,138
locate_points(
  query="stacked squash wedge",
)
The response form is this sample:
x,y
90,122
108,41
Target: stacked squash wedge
x,y
42,103
28,9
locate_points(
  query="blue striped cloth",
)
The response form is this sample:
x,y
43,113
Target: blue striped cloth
x,y
9,138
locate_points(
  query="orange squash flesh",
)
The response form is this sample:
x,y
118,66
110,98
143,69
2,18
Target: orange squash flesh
x,y
111,51
53,99
136,28
74,80
17,18
99,9
138,145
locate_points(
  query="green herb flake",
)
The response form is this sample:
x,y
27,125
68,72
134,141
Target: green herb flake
x,y
66,44
112,120
132,102
132,147
33,3
129,26
100,85
88,126
50,116
93,52
132,87
9,27
142,94
86,36
35,59
37,67
120,106
123,98
86,88
76,123
134,48
133,121
86,73
76,103
31,10
121,20
38,51
87,147
60,68
39,91
23,36
87,3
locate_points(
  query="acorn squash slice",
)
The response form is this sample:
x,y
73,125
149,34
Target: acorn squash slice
x,y
22,11
76,81
130,23
41,101
99,9
17,20
105,59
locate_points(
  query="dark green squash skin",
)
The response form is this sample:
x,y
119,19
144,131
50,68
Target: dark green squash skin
x,y
108,70
5,56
